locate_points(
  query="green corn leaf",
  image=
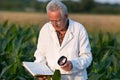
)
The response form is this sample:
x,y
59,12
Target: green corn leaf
x,y
115,63
96,76
105,56
57,75
4,70
5,23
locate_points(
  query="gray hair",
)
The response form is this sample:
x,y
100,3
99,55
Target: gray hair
x,y
57,5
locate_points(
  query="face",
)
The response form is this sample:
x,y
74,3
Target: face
x,y
58,22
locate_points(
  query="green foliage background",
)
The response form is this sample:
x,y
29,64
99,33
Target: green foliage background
x,y
18,43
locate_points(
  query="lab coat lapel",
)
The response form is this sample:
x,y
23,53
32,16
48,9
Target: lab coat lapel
x,y
54,38
68,37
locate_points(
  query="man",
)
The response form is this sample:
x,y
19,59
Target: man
x,y
64,37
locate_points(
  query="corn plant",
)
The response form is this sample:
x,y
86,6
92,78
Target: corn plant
x,y
18,43
106,57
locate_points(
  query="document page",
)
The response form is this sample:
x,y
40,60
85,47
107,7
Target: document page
x,y
37,69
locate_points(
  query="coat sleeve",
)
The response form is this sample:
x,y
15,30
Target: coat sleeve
x,y
85,55
40,51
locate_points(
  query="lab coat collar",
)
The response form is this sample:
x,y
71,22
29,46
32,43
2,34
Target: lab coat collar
x,y
69,34
71,27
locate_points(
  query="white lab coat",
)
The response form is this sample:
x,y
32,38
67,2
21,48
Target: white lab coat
x,y
75,47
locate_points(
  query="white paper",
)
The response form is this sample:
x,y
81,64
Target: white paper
x,y
37,69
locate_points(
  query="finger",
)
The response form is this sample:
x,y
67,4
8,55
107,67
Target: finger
x,y
42,78
67,66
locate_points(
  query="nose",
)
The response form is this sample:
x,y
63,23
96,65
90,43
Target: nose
x,y
55,23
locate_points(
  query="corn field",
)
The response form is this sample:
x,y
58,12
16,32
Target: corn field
x,y
18,43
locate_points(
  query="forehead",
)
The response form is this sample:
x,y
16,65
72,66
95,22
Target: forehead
x,y
54,14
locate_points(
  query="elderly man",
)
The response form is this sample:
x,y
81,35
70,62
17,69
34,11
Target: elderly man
x,y
62,36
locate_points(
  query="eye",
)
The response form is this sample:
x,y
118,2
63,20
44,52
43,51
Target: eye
x,y
56,21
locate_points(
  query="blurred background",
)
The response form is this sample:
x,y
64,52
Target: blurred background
x,y
21,20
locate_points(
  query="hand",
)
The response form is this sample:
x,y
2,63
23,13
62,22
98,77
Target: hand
x,y
42,78
67,66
